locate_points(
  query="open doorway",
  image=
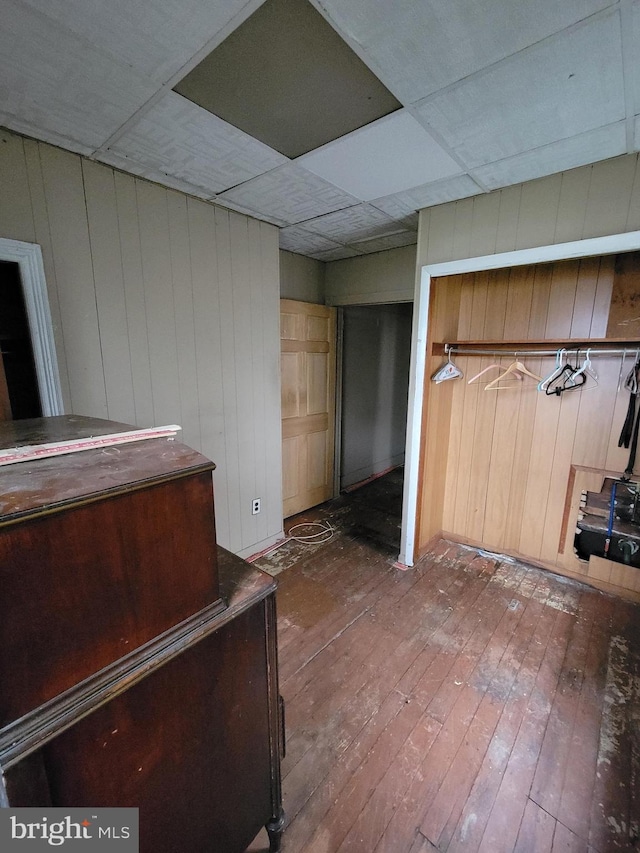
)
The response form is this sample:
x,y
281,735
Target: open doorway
x,y
19,393
376,351
32,387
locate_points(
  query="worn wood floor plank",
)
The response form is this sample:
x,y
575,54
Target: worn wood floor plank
x,y
469,704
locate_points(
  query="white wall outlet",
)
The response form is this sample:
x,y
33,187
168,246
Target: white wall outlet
x,y
255,506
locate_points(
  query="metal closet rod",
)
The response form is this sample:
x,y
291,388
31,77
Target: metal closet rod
x,y
531,353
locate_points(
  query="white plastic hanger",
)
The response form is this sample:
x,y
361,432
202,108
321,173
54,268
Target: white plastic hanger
x,y
447,371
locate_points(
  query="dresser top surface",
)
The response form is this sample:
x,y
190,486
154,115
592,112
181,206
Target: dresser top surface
x,y
51,483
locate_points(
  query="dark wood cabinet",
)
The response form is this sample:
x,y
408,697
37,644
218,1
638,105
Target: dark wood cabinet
x,y
138,660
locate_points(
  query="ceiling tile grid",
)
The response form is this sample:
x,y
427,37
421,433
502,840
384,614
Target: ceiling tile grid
x,y
293,238
548,93
491,93
387,156
555,157
54,82
289,194
181,139
418,48
173,30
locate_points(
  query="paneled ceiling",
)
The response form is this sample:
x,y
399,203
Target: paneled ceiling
x,y
396,104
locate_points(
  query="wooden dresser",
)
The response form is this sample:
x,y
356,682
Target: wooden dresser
x,y
138,660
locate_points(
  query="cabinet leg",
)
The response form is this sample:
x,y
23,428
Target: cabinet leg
x,y
274,831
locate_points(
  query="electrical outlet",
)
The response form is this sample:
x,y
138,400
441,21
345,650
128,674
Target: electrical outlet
x,y
255,506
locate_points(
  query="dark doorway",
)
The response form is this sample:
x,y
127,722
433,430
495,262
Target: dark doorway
x,y
15,344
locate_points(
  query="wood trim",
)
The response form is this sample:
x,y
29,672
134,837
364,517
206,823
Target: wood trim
x,y
28,256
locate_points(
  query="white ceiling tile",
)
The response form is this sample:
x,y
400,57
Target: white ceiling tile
x,y
398,210
131,166
559,156
440,192
293,238
560,88
387,156
417,48
156,37
288,195
354,223
381,244
179,138
335,254
57,84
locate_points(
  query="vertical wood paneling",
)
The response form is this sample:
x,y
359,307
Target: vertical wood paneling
x,y
609,199
104,235
184,317
271,423
42,236
510,452
217,425
158,294
66,206
161,313
585,202
572,205
16,215
130,253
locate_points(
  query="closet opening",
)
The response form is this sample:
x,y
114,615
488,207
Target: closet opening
x,y
497,464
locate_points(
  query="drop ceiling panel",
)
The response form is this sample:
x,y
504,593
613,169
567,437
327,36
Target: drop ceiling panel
x,y
550,92
58,85
385,157
401,211
296,239
392,241
133,167
559,156
420,47
335,254
439,192
354,223
287,78
288,195
156,37
178,138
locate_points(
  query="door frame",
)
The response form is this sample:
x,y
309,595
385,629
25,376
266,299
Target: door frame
x,y
591,247
28,256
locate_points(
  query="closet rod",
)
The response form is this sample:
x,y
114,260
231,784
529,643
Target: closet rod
x,y
532,353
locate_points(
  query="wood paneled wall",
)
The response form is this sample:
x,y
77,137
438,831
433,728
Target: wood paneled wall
x,y
165,310
498,463
590,201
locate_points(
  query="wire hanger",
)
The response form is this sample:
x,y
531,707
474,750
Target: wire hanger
x,y
447,371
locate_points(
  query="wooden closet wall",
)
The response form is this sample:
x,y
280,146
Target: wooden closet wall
x,y
498,467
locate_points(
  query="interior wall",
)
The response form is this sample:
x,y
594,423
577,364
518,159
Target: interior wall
x,y
377,278
165,310
376,353
591,201
301,278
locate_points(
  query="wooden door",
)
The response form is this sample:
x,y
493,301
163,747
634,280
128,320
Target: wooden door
x,y
308,354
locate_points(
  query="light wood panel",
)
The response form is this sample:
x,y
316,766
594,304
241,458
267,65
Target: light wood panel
x,y
165,310
308,381
509,453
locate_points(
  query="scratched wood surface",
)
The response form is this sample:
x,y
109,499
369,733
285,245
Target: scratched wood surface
x,y
472,703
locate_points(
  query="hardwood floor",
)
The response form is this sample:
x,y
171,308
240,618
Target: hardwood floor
x,y
472,703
